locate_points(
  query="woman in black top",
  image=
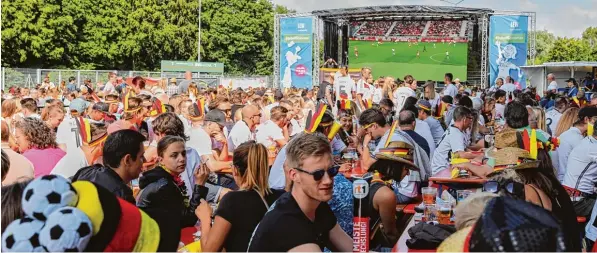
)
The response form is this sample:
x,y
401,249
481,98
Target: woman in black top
x,y
239,212
163,194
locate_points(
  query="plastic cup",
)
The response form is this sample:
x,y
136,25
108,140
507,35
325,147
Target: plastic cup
x,y
444,213
429,194
430,213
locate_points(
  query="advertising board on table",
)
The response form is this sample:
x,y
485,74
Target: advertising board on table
x,y
508,48
243,82
296,52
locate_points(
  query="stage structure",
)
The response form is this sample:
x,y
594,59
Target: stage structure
x,y
334,28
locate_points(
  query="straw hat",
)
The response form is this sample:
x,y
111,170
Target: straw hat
x,y
398,151
512,158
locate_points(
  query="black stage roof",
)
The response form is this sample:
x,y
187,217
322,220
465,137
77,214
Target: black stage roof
x,y
409,12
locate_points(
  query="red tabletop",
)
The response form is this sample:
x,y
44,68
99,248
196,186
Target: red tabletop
x,y
447,180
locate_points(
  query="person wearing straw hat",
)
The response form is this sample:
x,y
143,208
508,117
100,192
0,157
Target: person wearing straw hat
x,y
172,87
394,162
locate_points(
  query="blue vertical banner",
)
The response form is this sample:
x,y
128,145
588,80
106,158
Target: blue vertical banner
x,y
508,36
296,52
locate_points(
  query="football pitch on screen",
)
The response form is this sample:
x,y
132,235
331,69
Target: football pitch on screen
x,y
431,64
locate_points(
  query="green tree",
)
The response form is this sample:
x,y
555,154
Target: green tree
x,y
569,49
543,44
36,33
590,36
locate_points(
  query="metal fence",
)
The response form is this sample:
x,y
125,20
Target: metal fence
x,y
26,77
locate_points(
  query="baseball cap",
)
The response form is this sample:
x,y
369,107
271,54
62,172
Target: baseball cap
x,y
587,112
102,107
423,104
79,105
172,80
571,80
216,116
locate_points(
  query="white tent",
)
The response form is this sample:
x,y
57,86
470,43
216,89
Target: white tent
x,y
536,74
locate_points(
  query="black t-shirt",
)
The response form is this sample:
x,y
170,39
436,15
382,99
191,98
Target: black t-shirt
x,y
286,226
244,210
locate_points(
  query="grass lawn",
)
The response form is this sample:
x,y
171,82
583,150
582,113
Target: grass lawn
x,y
431,64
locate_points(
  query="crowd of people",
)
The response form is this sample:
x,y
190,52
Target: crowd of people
x,y
414,28
374,28
407,28
444,28
265,170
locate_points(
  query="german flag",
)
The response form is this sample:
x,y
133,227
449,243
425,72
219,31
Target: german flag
x,y
125,102
314,119
199,109
394,125
85,132
440,109
394,151
157,108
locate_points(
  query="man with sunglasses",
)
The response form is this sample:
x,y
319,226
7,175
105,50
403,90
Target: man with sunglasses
x,y
571,137
453,141
244,130
301,220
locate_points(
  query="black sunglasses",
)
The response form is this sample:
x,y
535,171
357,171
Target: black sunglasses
x,y
318,174
514,188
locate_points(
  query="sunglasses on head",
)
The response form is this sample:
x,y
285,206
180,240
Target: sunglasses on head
x,y
318,174
514,188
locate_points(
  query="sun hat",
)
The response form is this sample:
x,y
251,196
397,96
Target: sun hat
x,y
398,151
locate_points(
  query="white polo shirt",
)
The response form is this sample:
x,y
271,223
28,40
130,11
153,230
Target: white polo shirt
x,y
582,162
568,140
239,134
200,141
453,141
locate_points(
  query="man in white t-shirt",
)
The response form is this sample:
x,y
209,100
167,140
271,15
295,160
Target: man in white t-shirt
x,y
68,136
552,117
402,93
274,132
109,86
453,141
553,85
450,89
243,130
344,85
364,90
83,156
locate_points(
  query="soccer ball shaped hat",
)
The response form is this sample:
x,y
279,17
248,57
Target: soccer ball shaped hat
x,y
45,195
96,220
22,235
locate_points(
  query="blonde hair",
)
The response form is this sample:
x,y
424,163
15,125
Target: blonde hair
x,y
469,210
9,108
250,161
567,120
193,89
46,112
540,117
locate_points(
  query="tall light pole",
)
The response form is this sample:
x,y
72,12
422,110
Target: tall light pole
x,y
199,35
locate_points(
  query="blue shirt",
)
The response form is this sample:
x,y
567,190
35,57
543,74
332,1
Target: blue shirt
x,y
277,179
342,203
572,92
437,131
71,87
568,140
591,230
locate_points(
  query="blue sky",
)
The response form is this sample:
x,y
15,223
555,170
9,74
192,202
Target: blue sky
x,y
565,18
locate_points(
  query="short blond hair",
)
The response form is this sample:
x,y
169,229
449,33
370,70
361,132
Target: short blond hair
x,y
468,211
306,145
